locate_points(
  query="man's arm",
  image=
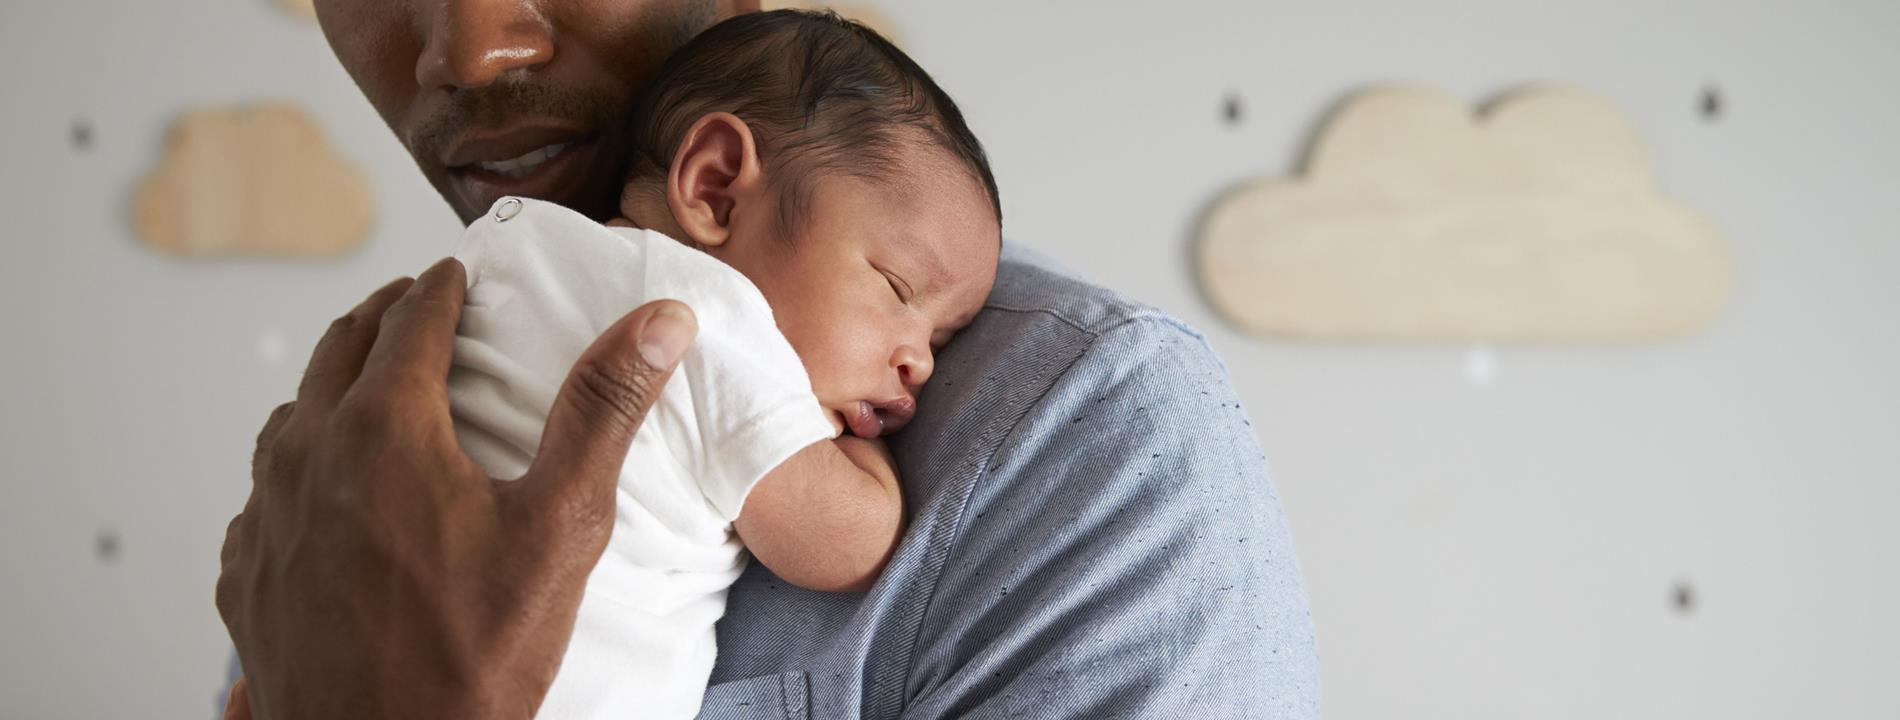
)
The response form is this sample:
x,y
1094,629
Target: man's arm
x,y
1124,556
828,518
376,571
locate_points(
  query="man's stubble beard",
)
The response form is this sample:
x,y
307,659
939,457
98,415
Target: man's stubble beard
x,y
521,96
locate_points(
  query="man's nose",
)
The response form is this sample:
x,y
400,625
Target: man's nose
x,y
913,366
470,43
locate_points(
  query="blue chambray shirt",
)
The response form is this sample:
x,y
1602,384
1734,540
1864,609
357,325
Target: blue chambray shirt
x,y
1092,535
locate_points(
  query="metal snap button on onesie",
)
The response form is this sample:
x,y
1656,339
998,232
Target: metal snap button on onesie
x,y
508,208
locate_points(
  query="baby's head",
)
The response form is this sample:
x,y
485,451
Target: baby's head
x,y
817,159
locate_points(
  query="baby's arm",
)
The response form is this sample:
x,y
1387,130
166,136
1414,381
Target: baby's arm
x,y
829,517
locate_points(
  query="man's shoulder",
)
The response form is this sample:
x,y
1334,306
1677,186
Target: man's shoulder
x,y
1030,283
1056,366
1117,508
1132,375
1052,365
1044,316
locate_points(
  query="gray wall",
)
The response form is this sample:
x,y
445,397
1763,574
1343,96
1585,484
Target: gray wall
x,y
1504,549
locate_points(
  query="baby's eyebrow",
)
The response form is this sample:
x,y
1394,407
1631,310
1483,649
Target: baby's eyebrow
x,y
935,272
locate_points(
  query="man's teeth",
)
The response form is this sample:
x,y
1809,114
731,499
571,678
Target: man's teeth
x,y
521,166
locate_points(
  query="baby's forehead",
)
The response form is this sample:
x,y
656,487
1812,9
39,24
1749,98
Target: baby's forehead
x,y
949,233
929,183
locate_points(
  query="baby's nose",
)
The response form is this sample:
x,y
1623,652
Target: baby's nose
x,y
913,367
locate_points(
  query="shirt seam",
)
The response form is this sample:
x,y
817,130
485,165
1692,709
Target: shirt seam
x,y
1066,320
1138,314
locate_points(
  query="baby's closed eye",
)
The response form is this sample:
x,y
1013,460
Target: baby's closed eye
x,y
898,286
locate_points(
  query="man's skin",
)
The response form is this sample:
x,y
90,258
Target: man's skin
x,y
376,571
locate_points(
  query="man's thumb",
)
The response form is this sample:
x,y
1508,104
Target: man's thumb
x,y
237,704
601,405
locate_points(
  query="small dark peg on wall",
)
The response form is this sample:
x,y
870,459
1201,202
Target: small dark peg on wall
x,y
1711,103
1230,110
106,545
82,135
1683,597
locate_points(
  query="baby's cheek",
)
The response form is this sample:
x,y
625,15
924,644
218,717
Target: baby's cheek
x,y
844,362
819,354
837,337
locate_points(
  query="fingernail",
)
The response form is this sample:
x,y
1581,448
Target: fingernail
x,y
666,335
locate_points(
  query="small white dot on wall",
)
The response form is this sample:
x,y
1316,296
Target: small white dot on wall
x,y
1481,366
272,347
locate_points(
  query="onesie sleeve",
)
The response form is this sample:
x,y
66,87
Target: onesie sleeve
x,y
761,428
751,399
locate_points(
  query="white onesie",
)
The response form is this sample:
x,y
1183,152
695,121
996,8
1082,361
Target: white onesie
x,y
543,283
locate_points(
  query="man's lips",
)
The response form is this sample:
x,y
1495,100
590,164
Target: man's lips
x,y
508,143
556,173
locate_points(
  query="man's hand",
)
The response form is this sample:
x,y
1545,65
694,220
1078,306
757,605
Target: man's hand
x,y
376,571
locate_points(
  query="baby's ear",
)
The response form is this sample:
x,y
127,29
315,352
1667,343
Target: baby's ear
x,y
715,170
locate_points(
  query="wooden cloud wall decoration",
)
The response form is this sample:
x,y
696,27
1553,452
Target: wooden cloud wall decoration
x,y
1418,221
252,181
305,9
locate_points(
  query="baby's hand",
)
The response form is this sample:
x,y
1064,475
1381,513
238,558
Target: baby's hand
x,y
871,456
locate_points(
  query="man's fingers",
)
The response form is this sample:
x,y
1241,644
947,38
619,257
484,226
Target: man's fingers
x,y
237,706
267,440
338,357
233,533
601,405
223,593
409,361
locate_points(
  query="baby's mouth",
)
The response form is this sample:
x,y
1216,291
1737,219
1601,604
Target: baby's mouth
x,y
862,420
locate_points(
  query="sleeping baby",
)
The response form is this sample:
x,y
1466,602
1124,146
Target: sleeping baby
x,y
822,207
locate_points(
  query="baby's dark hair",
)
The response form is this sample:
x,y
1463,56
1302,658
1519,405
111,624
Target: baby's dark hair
x,y
820,94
